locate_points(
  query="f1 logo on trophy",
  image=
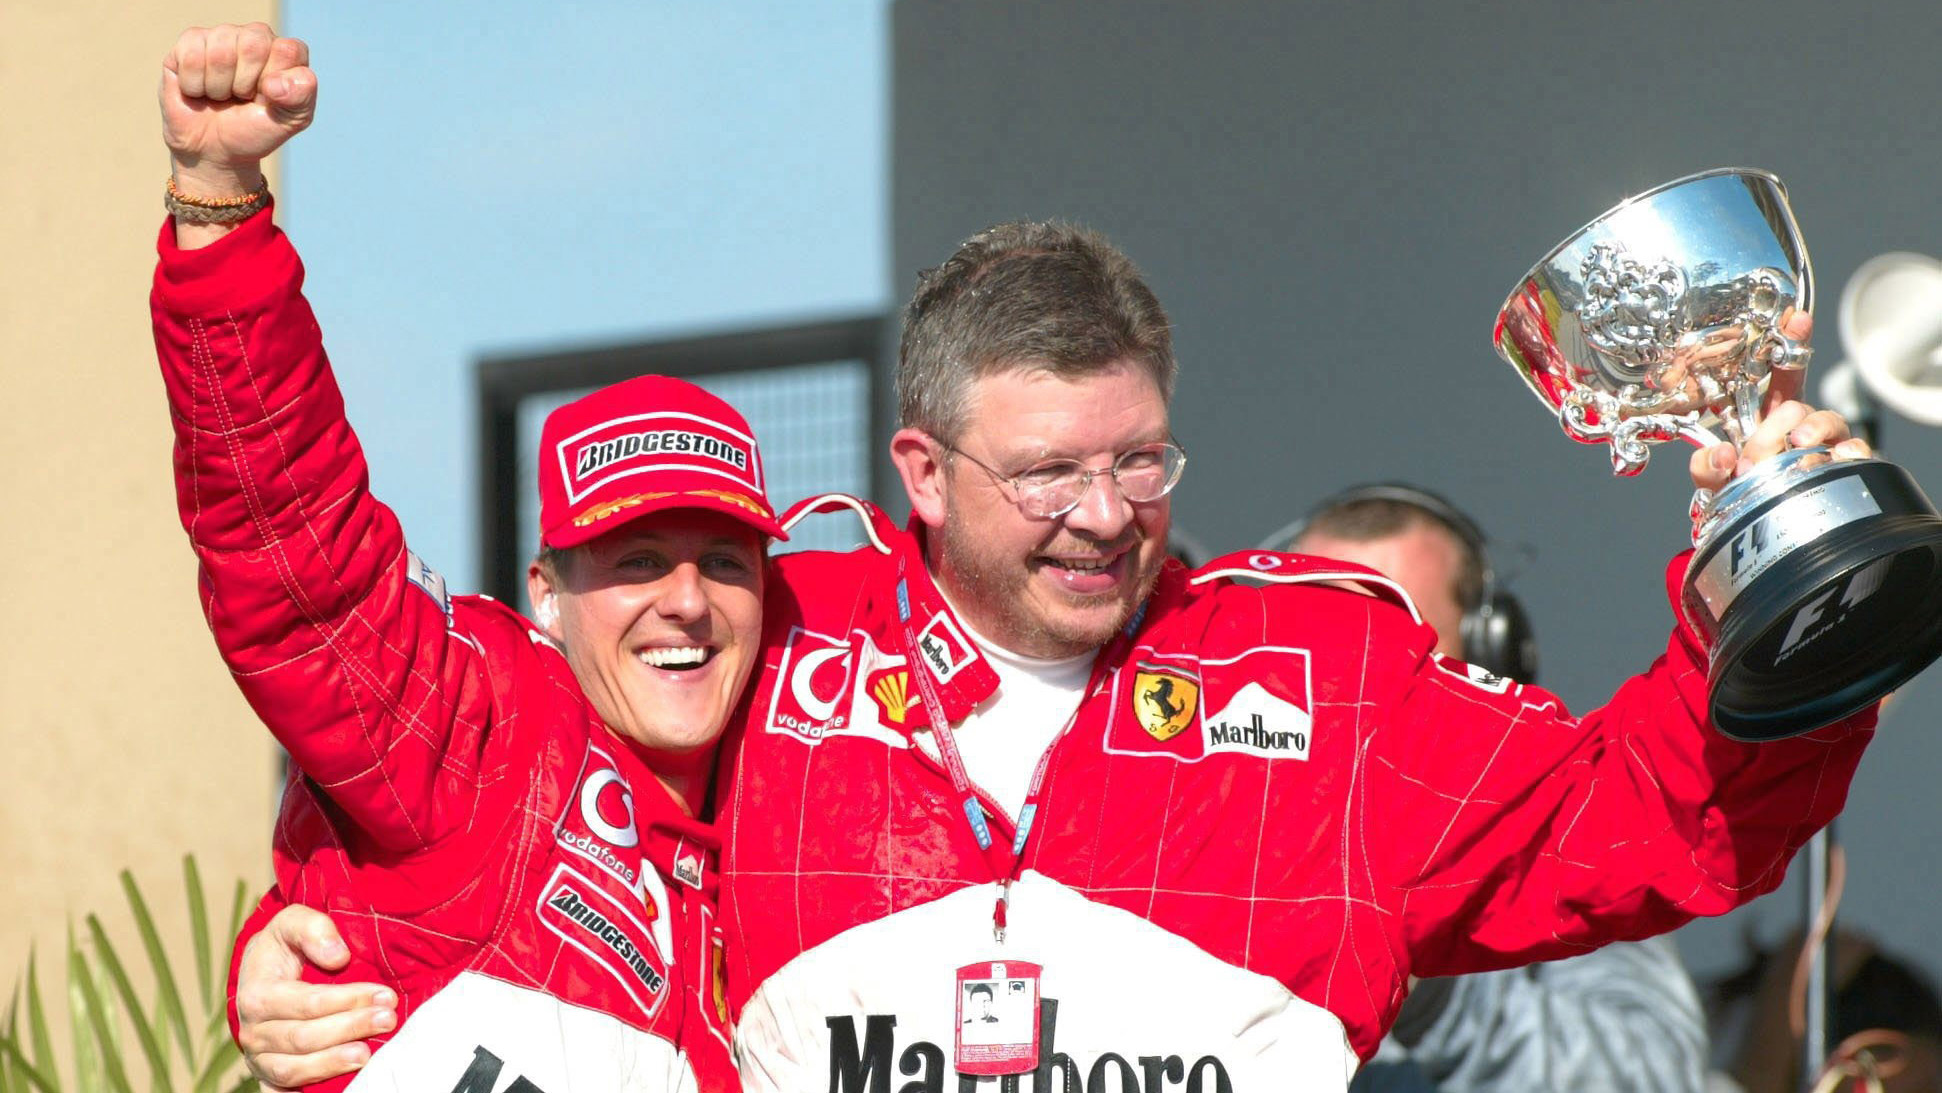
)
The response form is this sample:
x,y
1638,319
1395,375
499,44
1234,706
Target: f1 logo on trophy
x,y
1816,584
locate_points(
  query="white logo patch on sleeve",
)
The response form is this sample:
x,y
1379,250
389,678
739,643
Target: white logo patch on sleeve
x,y
429,581
1483,679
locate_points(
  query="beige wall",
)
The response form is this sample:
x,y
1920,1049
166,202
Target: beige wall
x,y
123,742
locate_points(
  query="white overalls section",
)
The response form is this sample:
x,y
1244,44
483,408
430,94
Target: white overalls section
x,y
480,1034
1129,1007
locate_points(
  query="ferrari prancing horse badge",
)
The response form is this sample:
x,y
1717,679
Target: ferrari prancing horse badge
x,y
1164,701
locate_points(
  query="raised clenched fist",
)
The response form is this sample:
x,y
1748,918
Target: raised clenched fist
x,y
230,96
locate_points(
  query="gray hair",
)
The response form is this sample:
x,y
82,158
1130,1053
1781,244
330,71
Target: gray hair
x,y
1024,295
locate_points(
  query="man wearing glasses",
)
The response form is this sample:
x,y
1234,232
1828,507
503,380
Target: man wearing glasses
x,y
1014,742
1271,801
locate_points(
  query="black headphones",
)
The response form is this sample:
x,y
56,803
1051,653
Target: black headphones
x,y
1496,632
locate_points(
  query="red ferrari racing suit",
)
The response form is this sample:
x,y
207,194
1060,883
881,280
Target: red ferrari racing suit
x,y
486,846
1273,805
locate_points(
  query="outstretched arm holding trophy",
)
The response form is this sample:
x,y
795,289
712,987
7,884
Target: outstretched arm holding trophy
x,y
1817,578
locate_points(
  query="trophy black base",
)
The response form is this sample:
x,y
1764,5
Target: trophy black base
x,y
1834,623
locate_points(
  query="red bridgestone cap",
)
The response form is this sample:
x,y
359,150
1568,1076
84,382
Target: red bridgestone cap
x,y
642,446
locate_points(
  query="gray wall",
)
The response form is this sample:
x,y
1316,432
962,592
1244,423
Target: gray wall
x,y
1333,201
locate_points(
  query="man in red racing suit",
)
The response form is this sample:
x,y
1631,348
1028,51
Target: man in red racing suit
x,y
514,859
485,844
1233,896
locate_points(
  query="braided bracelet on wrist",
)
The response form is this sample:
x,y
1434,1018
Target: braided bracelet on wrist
x,y
190,209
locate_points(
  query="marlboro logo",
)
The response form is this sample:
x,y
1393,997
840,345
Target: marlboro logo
x,y
867,1057
1257,723
943,647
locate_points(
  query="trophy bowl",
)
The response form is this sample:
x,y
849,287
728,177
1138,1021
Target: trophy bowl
x,y
1816,584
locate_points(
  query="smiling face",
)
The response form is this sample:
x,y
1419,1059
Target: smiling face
x,y
1042,587
661,622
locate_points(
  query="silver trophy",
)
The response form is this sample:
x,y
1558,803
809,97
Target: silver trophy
x,y
1817,585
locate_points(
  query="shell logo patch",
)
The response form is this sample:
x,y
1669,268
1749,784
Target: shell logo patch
x,y
894,696
1164,702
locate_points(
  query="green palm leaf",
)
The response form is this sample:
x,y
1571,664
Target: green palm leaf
x,y
42,1043
224,1058
104,1050
17,1066
237,904
87,1053
101,997
216,1032
7,1082
198,929
104,951
171,998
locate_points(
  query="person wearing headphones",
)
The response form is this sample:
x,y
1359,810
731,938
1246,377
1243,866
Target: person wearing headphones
x,y
1624,1017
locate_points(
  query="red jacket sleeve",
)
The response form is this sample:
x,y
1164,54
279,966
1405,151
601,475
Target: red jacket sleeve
x,y
342,641
1531,835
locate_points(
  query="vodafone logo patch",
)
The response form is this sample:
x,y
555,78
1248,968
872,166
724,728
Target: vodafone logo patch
x,y
615,822
599,822
813,682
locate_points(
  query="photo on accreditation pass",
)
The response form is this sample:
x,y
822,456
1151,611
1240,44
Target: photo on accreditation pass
x,y
996,1011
